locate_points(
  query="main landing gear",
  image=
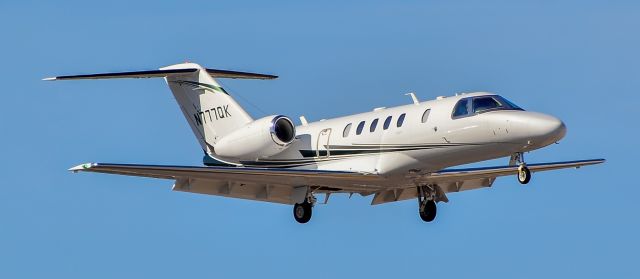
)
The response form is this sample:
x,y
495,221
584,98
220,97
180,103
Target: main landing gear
x,y
302,211
426,203
524,174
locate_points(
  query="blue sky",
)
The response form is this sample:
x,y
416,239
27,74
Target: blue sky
x,y
577,60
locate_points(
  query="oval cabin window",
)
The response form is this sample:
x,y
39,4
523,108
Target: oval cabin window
x,y
401,120
360,127
425,115
374,123
387,122
346,131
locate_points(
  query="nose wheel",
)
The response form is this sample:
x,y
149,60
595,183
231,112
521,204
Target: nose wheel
x,y
524,174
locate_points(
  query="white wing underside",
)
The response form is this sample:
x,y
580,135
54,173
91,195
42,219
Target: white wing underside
x,y
288,186
458,180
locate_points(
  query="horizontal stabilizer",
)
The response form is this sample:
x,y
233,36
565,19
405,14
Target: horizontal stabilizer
x,y
163,73
233,74
138,74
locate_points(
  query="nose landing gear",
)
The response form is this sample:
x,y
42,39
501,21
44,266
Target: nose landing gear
x,y
524,174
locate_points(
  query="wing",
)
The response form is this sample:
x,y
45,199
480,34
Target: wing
x,y
288,186
457,180
265,184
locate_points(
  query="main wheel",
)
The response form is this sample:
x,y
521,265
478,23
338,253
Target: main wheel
x,y
428,213
302,212
524,175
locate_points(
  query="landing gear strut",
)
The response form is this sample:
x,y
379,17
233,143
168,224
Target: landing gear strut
x,y
524,174
426,203
302,211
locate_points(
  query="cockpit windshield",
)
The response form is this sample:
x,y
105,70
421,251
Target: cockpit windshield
x,y
480,104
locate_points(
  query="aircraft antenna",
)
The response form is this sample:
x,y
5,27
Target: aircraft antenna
x,y
413,97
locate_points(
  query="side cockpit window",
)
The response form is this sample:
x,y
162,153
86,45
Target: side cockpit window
x,y
481,104
461,109
506,103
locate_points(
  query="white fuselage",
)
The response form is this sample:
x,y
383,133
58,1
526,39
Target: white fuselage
x,y
439,142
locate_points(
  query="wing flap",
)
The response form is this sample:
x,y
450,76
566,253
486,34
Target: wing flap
x,y
276,193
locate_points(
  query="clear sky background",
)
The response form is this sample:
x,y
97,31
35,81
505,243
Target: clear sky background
x,y
577,60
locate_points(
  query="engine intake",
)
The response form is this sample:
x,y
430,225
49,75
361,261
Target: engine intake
x,y
261,138
283,130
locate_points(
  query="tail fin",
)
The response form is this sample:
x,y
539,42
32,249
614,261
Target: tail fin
x,y
211,112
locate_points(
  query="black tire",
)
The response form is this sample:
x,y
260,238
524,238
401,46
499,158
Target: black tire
x,y
429,212
302,212
524,175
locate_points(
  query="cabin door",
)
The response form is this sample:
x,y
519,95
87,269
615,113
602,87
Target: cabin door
x,y
322,146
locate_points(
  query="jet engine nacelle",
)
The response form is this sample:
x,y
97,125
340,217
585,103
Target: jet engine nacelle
x,y
261,138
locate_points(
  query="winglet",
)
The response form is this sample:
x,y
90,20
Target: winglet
x,y
82,167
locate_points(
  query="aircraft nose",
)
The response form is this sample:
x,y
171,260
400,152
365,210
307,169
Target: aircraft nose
x,y
548,127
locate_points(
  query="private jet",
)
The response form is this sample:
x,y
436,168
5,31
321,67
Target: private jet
x,y
393,154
